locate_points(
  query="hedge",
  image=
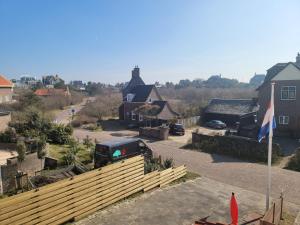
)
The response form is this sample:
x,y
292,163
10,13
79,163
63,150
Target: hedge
x,y
236,146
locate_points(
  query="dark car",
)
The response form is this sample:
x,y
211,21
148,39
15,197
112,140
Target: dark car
x,y
116,150
176,129
216,124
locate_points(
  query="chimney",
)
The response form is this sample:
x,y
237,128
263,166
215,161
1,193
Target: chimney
x,y
298,59
135,72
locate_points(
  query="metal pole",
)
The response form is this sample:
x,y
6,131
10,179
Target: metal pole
x,y
270,147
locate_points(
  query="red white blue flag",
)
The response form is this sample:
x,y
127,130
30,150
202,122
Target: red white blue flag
x,y
269,118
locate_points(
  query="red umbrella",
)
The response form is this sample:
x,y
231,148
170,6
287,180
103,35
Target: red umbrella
x,y
234,210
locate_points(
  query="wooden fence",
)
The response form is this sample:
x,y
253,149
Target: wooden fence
x,y
79,196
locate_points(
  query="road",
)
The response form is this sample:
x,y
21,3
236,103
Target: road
x,y
64,116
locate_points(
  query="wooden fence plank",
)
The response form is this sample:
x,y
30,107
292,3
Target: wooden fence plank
x,y
83,194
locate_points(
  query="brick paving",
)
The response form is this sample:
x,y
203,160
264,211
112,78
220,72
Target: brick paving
x,y
250,176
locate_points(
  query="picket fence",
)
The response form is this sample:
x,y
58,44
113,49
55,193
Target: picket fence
x,y
81,195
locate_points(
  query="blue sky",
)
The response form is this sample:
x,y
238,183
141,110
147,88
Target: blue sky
x,y
169,39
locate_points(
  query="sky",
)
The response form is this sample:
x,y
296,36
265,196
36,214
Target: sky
x,y
168,39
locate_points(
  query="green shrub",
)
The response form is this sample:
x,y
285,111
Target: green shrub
x,y
294,163
239,147
59,134
168,163
8,136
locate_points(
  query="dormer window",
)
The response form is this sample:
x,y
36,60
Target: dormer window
x,y
129,97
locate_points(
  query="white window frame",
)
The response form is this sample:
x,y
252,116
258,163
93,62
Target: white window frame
x,y
288,97
284,120
150,100
141,118
133,116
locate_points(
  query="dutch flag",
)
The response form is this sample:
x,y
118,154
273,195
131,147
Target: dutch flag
x,y
269,118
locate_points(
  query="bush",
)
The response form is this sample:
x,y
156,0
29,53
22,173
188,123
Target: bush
x,y
239,147
60,134
8,136
294,163
168,163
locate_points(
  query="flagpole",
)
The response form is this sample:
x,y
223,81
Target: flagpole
x,y
270,147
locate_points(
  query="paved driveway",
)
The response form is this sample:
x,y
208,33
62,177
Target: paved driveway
x,y
250,176
182,204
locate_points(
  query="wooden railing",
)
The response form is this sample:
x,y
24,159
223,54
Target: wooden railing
x,y
79,196
274,214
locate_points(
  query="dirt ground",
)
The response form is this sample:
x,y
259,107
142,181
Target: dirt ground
x,y
6,151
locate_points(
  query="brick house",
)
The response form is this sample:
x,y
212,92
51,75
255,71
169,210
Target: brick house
x,y
286,77
6,90
137,94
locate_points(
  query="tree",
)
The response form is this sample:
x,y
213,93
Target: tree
x,y
71,155
41,149
21,150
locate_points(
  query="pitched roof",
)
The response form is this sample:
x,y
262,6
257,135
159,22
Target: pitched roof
x,y
141,92
50,92
274,70
232,106
135,80
4,82
162,105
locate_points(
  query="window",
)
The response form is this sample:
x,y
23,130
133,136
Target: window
x,y
133,116
130,97
140,117
288,93
284,120
150,100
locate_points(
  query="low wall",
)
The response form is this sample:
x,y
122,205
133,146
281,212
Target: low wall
x,y
161,133
239,147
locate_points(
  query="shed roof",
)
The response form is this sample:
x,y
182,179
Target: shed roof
x,y
232,106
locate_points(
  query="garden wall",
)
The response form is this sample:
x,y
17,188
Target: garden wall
x,y
160,133
239,147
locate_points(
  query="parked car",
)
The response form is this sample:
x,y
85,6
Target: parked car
x,y
116,150
133,126
216,124
176,129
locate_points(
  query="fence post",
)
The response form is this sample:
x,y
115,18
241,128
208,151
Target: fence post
x,y
281,206
273,219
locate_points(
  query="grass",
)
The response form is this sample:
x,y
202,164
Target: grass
x,y
59,151
288,219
